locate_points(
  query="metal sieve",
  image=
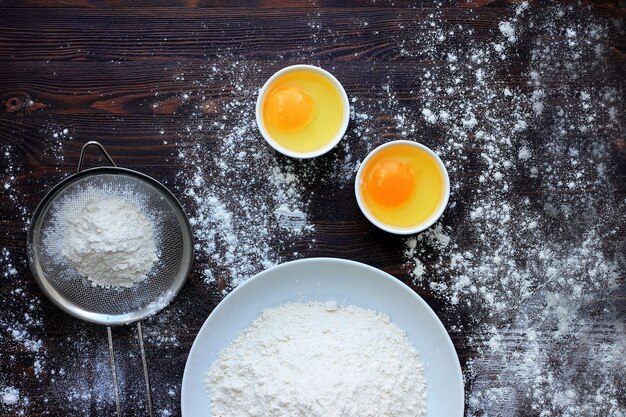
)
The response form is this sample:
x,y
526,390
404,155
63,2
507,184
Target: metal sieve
x,y
72,292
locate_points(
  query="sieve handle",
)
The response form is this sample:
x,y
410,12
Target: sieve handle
x,y
116,389
145,369
99,146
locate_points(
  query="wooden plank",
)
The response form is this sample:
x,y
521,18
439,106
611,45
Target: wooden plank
x,y
118,74
248,4
152,34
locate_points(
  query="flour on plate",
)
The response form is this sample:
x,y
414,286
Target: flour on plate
x,y
318,359
111,243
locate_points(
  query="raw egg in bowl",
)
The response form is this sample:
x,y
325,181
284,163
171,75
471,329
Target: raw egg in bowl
x,y
402,187
302,111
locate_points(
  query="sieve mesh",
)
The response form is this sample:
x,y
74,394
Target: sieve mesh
x,y
74,292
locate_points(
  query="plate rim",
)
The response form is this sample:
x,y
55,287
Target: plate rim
x,y
390,278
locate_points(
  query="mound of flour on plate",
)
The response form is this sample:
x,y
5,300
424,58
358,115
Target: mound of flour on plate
x,y
316,359
111,243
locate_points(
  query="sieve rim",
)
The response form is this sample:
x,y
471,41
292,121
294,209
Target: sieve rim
x,y
82,313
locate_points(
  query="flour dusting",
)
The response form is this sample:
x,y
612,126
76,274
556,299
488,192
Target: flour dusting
x,y
538,279
9,395
233,234
524,265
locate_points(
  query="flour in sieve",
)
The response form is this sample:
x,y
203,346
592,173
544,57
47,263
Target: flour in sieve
x,y
111,243
317,359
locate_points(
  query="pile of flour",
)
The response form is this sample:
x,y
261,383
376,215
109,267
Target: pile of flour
x,y
316,359
111,243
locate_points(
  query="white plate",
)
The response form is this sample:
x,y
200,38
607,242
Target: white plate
x,y
323,279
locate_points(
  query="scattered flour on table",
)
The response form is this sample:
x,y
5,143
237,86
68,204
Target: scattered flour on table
x,y
548,334
246,200
9,395
538,281
20,328
11,399
291,220
546,127
508,30
318,359
9,186
111,243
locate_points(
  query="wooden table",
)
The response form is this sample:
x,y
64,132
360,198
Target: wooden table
x,y
135,76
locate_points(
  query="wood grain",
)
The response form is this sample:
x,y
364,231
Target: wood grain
x,y
97,66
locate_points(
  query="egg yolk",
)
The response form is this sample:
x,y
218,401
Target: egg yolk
x,y
391,182
289,108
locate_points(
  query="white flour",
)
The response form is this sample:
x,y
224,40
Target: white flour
x,y
9,395
236,237
111,243
316,359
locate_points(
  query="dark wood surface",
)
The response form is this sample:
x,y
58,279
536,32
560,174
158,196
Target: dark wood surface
x,y
95,66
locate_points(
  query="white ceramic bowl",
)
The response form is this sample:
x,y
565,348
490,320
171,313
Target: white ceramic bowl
x,y
344,121
325,279
408,230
